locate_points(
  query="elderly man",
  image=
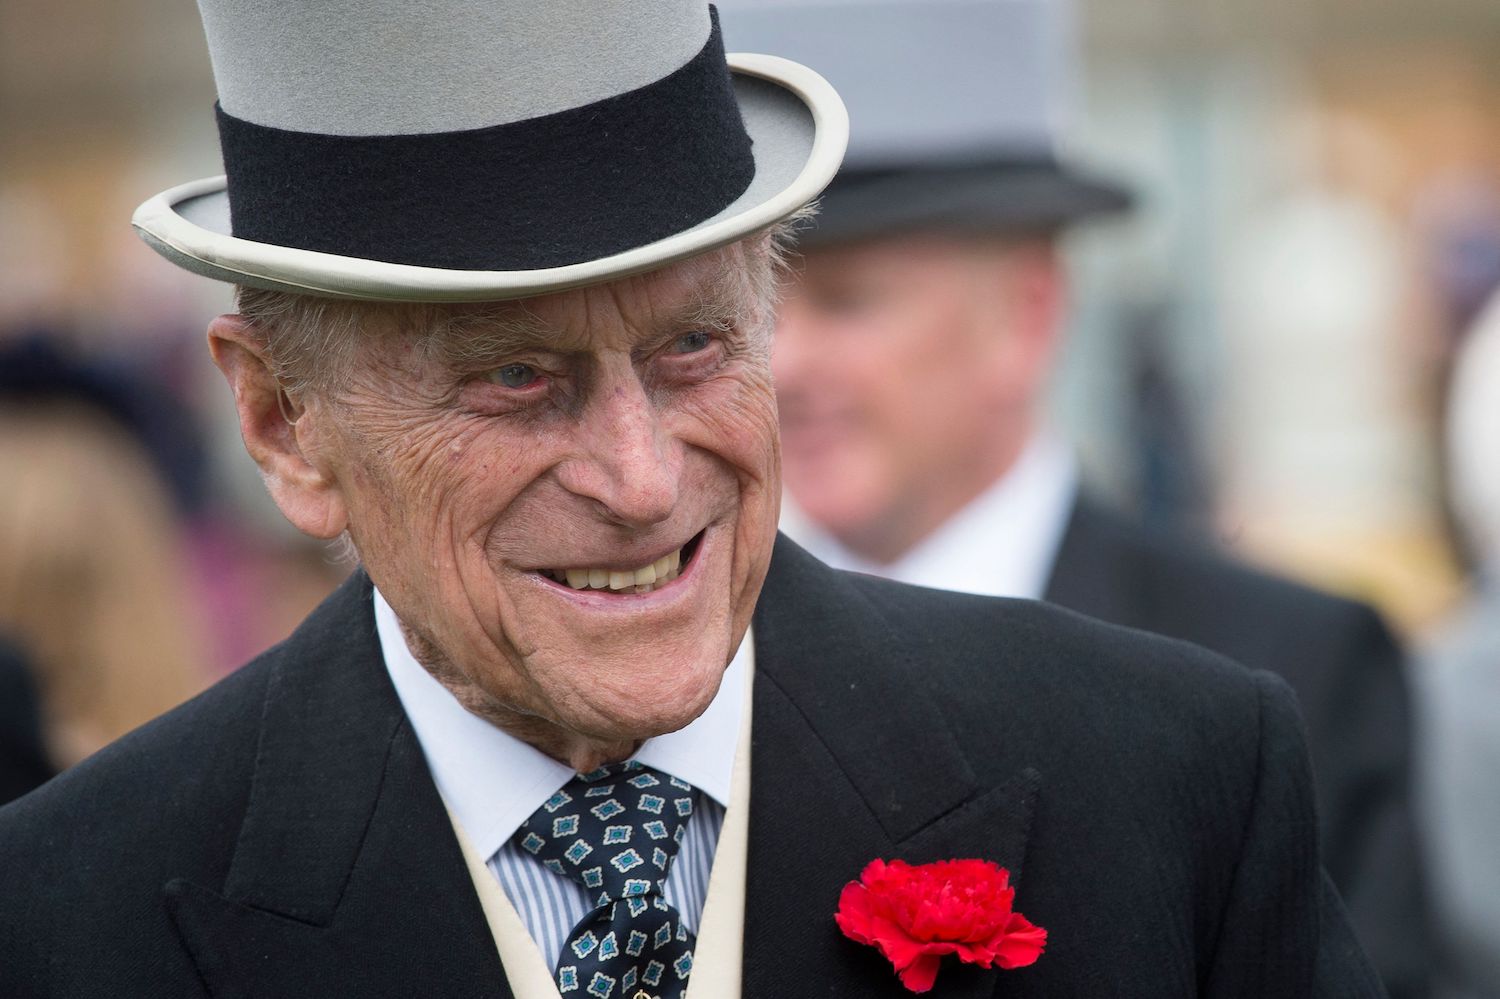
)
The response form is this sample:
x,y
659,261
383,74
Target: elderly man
x,y
913,360
581,725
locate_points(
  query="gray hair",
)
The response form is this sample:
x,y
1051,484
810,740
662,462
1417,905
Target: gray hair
x,y
311,341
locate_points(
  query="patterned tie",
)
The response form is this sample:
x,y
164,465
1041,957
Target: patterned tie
x,y
616,831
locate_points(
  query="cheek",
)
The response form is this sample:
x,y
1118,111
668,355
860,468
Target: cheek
x,y
734,419
440,484
927,369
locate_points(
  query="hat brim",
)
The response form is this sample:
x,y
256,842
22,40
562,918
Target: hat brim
x,y
795,119
987,196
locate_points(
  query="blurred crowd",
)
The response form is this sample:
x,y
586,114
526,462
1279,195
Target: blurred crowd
x,y
1285,350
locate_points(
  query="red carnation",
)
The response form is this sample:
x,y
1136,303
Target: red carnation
x,y
915,915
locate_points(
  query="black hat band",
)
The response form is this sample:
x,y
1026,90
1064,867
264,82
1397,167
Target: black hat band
x,y
549,191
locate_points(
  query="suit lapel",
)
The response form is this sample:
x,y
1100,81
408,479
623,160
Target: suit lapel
x,y
346,877
851,760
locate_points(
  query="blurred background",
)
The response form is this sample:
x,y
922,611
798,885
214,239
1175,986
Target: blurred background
x,y
1263,350
1262,347
135,536
1319,228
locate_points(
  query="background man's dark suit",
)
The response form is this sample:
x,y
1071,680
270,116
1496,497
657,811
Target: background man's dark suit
x,y
1346,671
23,759
281,835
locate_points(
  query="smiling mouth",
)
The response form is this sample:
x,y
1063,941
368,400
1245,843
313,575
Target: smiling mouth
x,y
643,580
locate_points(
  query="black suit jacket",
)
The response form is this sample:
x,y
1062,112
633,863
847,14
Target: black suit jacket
x,y
281,835
1348,676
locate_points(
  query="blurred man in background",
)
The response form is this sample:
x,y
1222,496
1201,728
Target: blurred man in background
x,y
913,357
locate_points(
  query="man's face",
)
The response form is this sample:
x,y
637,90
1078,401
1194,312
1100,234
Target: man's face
x,y
907,370
514,484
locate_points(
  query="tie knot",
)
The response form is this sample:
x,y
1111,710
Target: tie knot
x,y
614,830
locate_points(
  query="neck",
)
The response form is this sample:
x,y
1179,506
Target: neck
x,y
574,749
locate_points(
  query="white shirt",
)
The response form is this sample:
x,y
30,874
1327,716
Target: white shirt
x,y
493,782
1003,544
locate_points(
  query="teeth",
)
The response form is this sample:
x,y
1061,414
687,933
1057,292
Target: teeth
x,y
642,580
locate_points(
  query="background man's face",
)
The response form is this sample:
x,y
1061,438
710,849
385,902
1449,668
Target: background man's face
x,y
908,369
487,475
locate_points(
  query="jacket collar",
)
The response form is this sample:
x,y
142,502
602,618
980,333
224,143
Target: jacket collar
x,y
346,877
852,760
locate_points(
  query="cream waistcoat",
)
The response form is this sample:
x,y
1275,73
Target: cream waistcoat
x,y
719,954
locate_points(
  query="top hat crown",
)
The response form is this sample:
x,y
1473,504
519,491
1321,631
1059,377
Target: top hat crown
x,y
446,150
957,107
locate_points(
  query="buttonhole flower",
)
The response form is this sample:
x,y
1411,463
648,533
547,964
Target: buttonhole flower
x,y
915,914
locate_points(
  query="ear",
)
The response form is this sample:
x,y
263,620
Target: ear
x,y
283,437
1031,290
1039,291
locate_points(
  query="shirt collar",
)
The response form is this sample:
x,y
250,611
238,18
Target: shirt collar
x,y
493,781
1002,544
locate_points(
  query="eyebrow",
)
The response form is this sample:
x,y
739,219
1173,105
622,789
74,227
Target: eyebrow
x,y
474,339
721,302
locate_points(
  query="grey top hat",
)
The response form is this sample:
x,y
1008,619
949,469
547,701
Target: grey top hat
x,y
459,150
955,107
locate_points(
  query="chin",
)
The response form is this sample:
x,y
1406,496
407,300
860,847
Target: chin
x,y
633,703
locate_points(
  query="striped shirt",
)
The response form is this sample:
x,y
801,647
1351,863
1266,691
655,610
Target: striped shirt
x,y
493,782
550,906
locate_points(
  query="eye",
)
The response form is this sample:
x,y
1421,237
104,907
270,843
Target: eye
x,y
513,375
691,343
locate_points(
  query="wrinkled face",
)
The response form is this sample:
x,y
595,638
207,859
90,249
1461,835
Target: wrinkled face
x,y
571,502
905,383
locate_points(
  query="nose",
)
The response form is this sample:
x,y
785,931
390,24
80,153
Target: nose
x,y
626,462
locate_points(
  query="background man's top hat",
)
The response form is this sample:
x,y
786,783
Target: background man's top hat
x,y
454,150
955,107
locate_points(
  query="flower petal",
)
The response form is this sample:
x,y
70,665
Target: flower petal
x,y
920,975
1023,943
854,915
901,950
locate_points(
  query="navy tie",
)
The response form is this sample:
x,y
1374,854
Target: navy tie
x,y
615,831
